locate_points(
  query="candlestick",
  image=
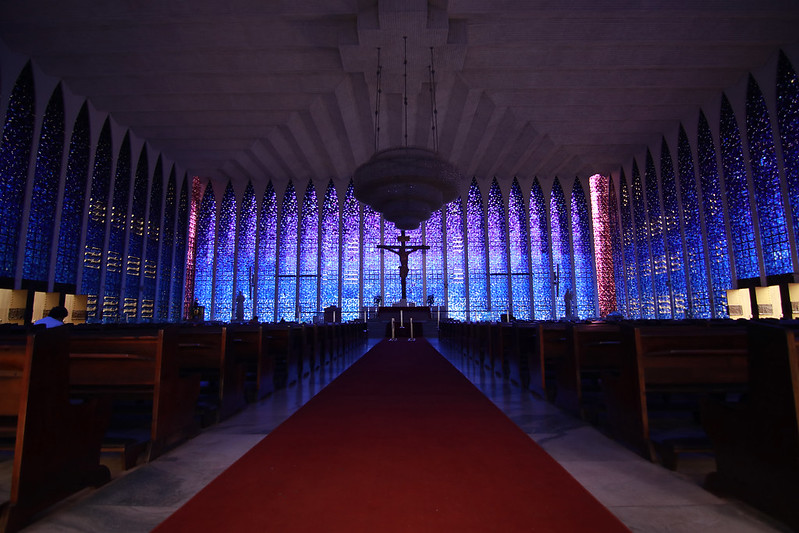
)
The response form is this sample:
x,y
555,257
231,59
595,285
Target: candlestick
x,y
392,328
411,328
402,324
438,322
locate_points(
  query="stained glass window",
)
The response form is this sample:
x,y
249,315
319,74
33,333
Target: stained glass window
x,y
766,179
15,153
713,205
309,256
287,257
225,257
267,254
167,249
95,230
116,237
561,247
788,120
674,240
456,261
519,253
136,238
698,304
647,296
191,242
435,260
181,252
329,249
603,245
584,293
617,248
737,189
72,205
245,260
633,309
371,256
204,250
41,221
392,285
476,254
350,256
497,252
540,264
660,271
152,240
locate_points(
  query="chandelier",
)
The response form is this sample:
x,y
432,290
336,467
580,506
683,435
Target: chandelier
x,y
406,184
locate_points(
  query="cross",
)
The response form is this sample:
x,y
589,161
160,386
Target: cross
x,y
403,251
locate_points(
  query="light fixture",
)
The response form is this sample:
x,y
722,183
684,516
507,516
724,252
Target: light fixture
x,y
406,184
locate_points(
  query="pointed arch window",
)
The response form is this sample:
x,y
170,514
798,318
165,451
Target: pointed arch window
x,y
287,257
479,296
519,244
540,262
179,268
497,247
204,257
329,248
788,120
225,257
165,278
267,254
133,265
457,303
434,257
246,241
309,256
371,256
152,241
674,239
116,237
584,292
643,255
561,247
351,256
633,307
660,270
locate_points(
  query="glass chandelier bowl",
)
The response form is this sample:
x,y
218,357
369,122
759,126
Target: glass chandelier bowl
x,y
406,184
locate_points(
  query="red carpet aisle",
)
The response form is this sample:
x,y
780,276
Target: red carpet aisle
x,y
401,442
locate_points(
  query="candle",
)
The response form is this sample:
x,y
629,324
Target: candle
x,y
411,328
392,328
438,321
402,323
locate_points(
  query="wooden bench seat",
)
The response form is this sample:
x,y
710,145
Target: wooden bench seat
x,y
56,443
248,345
549,347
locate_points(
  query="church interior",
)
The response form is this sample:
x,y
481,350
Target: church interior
x,y
589,209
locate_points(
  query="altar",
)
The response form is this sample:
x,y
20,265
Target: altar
x,y
402,314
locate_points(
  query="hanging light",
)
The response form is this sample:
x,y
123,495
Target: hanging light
x,y
406,184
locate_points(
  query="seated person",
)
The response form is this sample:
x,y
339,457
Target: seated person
x,y
55,317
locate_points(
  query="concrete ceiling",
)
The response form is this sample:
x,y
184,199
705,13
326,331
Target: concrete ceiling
x,y
259,89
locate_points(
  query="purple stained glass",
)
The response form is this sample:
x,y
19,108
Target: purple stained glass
x,y
245,258
371,256
479,296
267,255
540,258
561,248
660,265
225,257
647,296
435,259
204,250
456,261
497,248
181,252
519,244
287,257
308,303
584,292
350,256
674,238
329,248
167,249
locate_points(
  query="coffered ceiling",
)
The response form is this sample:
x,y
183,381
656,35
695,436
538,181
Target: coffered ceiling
x,y
258,89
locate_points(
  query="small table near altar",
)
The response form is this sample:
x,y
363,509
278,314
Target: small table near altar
x,y
419,314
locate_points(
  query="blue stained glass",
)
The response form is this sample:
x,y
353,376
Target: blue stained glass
x,y
497,252
95,229
584,291
766,179
225,257
713,205
152,239
456,261
309,256
116,237
192,229
540,263
479,297
41,221
617,248
660,271
735,184
245,260
519,253
642,247
167,249
698,303
15,154
77,174
350,256
674,240
561,246
287,257
788,120
391,278
329,260
633,309
371,256
204,250
267,255
178,270
435,260
133,265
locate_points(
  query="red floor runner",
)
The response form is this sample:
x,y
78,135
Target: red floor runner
x,y
400,442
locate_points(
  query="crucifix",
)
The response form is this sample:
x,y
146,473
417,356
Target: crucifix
x,y
403,251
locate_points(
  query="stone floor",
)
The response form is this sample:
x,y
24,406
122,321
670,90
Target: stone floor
x,y
645,496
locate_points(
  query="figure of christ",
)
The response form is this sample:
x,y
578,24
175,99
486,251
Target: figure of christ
x,y
403,251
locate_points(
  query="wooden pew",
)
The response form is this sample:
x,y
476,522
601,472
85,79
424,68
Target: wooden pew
x,y
137,365
285,359
202,349
666,363
756,442
247,344
56,444
591,350
525,335
549,347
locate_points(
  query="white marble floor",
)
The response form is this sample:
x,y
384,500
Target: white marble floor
x,y
646,497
